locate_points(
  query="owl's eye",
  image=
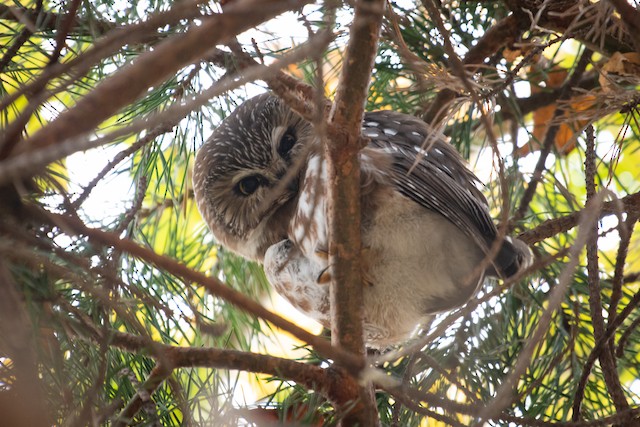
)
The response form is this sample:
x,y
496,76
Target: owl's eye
x,y
247,186
287,142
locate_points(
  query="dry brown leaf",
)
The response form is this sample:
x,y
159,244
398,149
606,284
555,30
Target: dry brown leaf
x,y
619,69
511,54
565,139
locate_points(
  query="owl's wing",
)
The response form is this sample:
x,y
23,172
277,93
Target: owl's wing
x,y
430,172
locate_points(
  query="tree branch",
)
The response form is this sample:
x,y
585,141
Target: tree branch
x,y
551,227
31,162
342,148
213,285
152,67
607,361
333,383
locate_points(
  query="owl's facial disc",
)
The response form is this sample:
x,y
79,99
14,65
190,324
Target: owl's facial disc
x,y
265,197
280,181
247,175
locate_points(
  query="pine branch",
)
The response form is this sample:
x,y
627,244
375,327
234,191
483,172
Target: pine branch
x,y
33,161
333,383
213,285
562,224
505,393
38,20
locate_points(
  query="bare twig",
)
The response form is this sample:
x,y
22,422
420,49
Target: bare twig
x,y
143,396
149,137
607,360
624,338
130,215
552,227
66,24
625,231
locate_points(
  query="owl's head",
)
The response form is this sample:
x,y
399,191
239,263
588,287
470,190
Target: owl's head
x,y
246,175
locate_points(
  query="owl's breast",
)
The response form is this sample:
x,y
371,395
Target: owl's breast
x,y
418,264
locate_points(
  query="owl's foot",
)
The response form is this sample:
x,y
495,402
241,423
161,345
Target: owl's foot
x,y
325,275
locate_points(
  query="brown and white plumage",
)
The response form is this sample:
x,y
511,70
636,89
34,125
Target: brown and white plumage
x,y
425,225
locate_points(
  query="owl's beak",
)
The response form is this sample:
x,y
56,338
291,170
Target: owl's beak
x,y
293,184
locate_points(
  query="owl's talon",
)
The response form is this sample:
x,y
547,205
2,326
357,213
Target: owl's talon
x,y
324,277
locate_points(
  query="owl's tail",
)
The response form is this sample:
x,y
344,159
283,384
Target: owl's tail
x,y
514,255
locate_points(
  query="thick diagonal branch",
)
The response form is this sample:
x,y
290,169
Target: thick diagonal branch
x,y
213,285
153,67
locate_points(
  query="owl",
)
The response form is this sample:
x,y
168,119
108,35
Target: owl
x,y
260,183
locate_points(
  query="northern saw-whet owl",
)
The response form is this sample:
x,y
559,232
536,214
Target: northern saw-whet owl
x,y
260,182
